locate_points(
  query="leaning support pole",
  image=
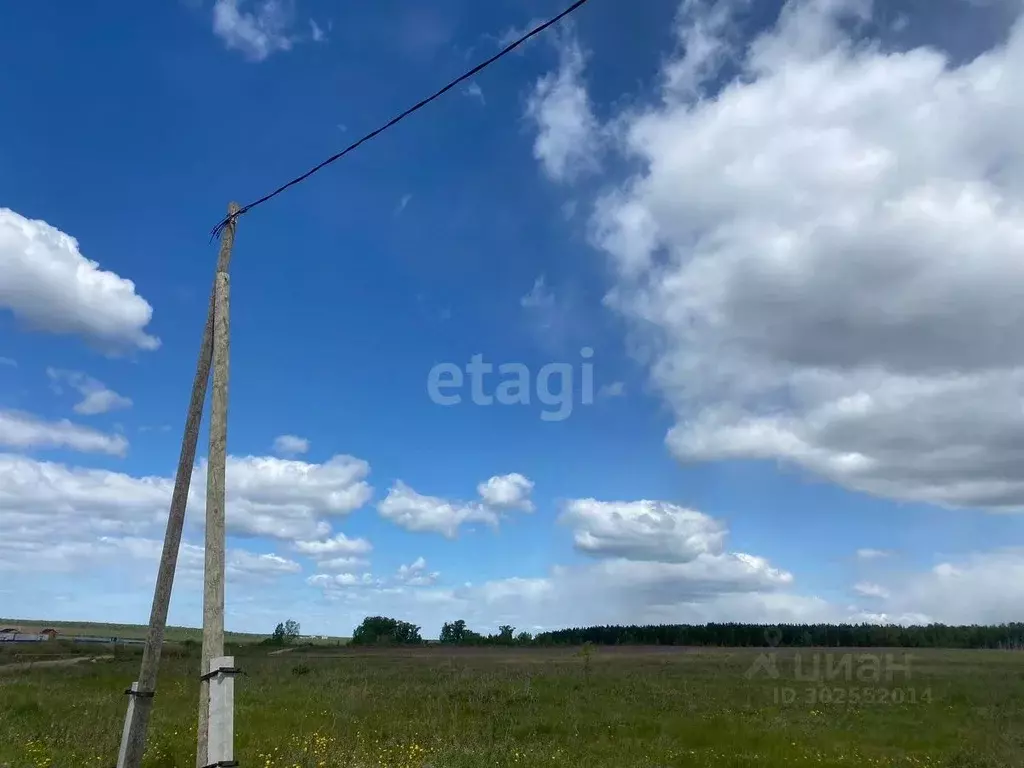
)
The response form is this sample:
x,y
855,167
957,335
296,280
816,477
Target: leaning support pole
x,y
209,742
133,737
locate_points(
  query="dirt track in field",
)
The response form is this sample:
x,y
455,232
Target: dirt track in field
x,y
22,665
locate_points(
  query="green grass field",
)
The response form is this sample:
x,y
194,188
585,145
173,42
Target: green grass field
x,y
439,707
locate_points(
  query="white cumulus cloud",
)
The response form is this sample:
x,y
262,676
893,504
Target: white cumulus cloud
x,y
821,254
568,142
337,545
50,286
976,588
316,32
47,508
286,499
867,589
96,396
44,505
343,564
868,553
651,561
643,530
416,512
416,574
510,491
290,445
331,581
25,431
260,32
473,90
240,565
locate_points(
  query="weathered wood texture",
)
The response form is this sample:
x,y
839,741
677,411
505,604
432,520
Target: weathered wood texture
x,y
213,589
133,739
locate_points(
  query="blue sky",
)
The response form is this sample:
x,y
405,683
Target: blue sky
x,y
787,234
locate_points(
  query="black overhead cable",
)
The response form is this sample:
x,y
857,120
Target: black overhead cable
x,y
415,108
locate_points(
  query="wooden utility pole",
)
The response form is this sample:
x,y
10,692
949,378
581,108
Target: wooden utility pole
x,y
133,737
213,745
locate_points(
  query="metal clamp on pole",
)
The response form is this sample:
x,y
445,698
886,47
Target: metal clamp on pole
x,y
222,671
220,747
139,694
222,764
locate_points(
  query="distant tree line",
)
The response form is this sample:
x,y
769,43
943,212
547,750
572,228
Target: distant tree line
x,y
794,635
285,633
456,633
381,630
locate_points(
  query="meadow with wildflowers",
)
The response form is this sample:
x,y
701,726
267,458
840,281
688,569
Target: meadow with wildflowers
x,y
437,707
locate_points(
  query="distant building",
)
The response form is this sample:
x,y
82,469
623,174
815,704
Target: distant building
x,y
49,633
20,637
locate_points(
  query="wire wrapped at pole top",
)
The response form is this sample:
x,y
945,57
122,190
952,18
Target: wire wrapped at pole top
x,y
229,219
